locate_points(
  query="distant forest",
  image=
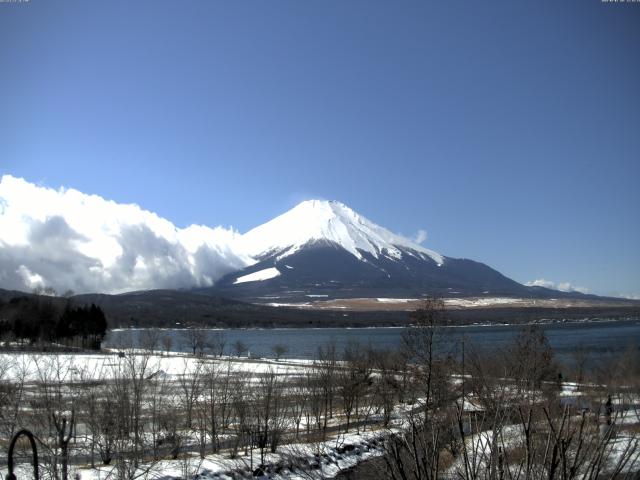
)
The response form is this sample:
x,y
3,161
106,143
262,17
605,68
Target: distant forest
x,y
40,314
41,320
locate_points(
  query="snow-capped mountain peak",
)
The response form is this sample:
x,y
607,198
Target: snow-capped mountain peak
x,y
328,221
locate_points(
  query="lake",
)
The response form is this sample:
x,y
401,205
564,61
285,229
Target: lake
x,y
598,338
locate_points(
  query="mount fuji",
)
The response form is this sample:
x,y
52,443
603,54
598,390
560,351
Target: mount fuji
x,y
324,249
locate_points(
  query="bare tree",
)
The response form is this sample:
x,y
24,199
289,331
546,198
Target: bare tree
x,y
195,340
326,367
190,387
149,339
217,393
55,406
13,372
417,453
241,413
297,404
216,343
315,408
268,413
353,380
279,349
167,342
239,347
127,390
159,390
390,383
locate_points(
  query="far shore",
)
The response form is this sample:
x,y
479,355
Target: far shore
x,y
397,327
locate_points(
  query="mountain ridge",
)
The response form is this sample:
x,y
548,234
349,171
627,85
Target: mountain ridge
x,y
324,248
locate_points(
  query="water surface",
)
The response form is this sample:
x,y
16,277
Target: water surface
x,y
599,339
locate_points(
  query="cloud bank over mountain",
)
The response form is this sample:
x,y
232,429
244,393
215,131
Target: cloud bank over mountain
x,y
66,239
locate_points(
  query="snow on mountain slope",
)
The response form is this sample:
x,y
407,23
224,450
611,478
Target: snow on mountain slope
x,y
328,221
260,275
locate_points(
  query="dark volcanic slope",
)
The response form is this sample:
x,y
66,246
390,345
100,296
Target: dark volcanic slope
x,y
323,268
176,308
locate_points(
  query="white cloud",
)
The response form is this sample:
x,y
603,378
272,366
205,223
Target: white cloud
x,y
31,280
541,282
630,296
70,240
562,286
420,236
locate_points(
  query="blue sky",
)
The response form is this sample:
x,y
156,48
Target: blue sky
x,y
510,131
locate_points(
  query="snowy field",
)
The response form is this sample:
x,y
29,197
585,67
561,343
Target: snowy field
x,y
305,450
452,302
302,461
84,367
309,459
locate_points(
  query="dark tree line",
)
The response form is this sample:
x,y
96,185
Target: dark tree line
x,y
42,320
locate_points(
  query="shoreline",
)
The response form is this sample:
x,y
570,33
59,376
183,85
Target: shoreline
x,y
566,321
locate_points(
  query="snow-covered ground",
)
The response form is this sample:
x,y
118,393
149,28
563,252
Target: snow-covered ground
x,y
453,303
397,300
83,367
321,459
317,459
297,461
482,301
